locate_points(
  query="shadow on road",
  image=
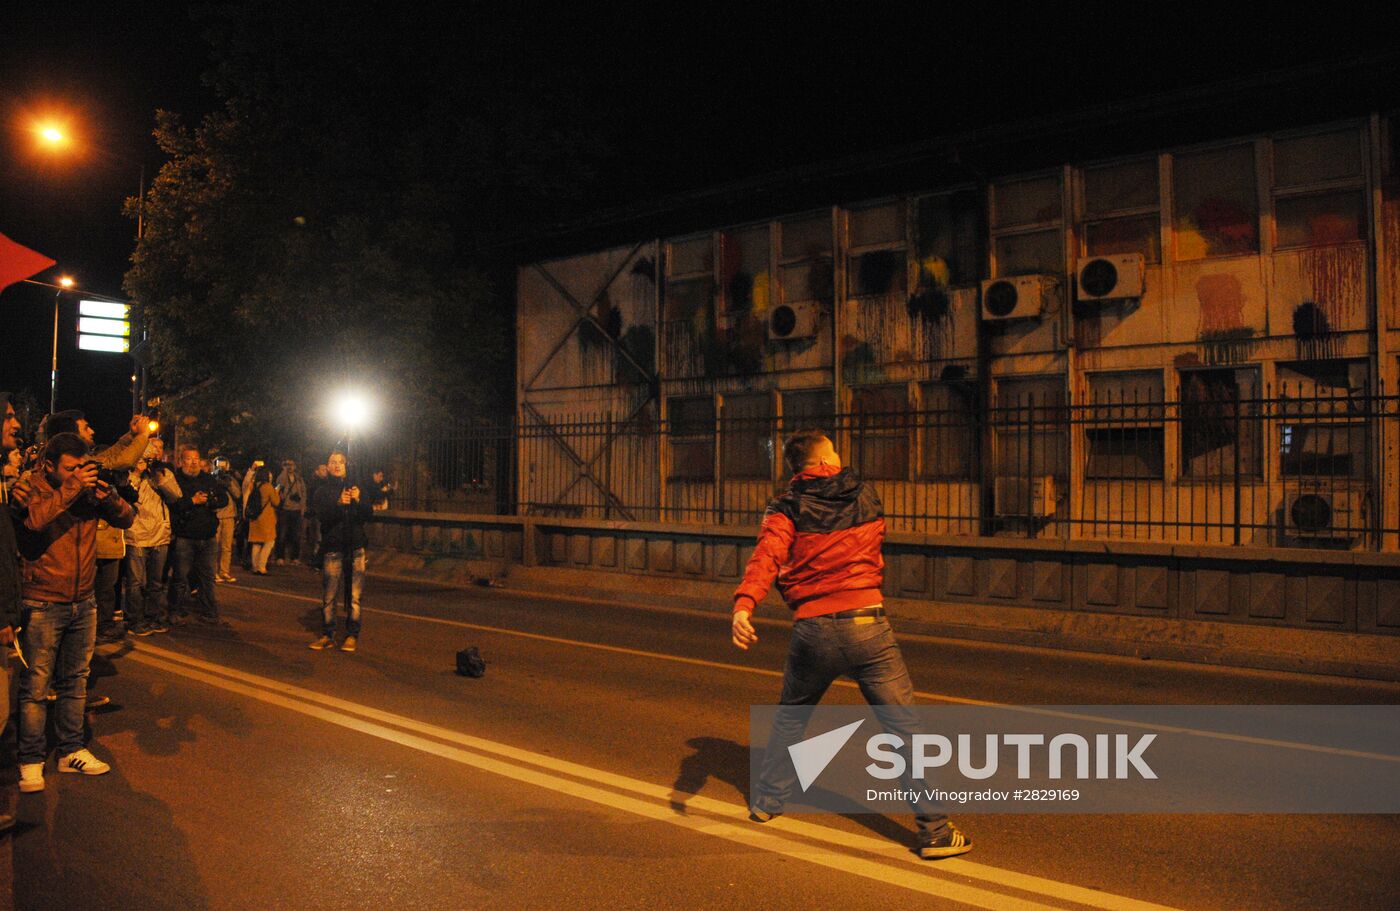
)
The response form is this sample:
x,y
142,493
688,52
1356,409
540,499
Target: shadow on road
x,y
726,761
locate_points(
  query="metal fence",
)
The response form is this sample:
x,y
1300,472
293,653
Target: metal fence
x,y
1218,466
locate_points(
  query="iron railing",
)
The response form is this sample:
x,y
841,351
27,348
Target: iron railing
x,y
1291,468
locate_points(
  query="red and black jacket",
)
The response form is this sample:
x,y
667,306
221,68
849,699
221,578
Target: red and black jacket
x,y
820,541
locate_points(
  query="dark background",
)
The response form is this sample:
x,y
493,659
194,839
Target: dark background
x,y
681,96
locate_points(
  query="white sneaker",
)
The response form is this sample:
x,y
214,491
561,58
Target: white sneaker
x,y
31,777
84,763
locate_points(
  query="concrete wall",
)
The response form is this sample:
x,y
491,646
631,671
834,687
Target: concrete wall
x,y
1345,592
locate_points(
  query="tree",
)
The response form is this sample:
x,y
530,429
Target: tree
x,y
326,225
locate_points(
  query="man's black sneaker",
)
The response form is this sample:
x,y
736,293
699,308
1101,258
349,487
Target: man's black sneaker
x,y
948,843
143,629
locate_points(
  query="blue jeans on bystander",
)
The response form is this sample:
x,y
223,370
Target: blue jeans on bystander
x,y
333,590
57,641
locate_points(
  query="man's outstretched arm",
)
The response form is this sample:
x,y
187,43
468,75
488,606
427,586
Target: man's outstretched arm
x,y
775,539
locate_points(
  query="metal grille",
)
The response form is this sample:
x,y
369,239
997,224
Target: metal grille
x,y
1222,465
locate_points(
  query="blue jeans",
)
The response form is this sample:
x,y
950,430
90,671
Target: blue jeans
x,y
821,650
202,556
57,642
333,587
144,596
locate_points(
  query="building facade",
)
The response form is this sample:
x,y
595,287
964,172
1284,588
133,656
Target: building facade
x,y
1197,343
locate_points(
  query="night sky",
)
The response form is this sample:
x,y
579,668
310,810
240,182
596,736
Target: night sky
x,y
684,95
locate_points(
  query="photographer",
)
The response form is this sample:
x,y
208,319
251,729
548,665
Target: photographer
x,y
343,514
195,523
291,524
148,543
379,490
62,502
228,517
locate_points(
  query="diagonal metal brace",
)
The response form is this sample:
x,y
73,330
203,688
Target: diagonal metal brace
x,y
584,468
607,444
586,316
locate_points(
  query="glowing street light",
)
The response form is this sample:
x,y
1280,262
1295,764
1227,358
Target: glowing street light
x,y
352,410
65,283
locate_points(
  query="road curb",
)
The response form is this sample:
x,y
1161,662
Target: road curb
x,y
1328,653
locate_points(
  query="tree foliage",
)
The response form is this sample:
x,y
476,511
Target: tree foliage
x,y
325,224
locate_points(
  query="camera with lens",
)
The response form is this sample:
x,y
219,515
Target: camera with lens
x,y
112,477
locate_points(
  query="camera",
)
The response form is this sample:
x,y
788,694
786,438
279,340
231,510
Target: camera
x,y
112,477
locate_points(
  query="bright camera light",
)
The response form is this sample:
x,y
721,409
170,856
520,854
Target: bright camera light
x,y
352,410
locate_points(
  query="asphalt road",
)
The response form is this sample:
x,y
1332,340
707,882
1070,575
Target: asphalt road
x,y
600,763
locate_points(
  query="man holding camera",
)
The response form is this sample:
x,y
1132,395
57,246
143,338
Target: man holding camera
x,y
343,513
291,515
228,517
57,538
148,542
195,522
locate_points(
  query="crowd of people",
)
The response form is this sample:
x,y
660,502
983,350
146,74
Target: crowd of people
x,y
101,543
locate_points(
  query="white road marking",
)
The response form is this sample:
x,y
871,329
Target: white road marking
x,y
935,697
649,800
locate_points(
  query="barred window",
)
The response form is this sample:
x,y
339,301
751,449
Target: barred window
x,y
1323,430
691,429
746,428
1031,422
1125,430
949,427
880,431
1220,420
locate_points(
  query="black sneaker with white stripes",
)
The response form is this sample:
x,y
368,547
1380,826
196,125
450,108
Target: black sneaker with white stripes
x,y
947,843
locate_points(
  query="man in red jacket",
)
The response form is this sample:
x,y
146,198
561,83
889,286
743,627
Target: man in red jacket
x,y
820,541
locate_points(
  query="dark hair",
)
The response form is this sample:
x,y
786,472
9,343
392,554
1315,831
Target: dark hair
x,y
798,448
62,422
263,475
63,444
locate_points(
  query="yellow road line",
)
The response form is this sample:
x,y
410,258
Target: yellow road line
x,y
653,801
935,697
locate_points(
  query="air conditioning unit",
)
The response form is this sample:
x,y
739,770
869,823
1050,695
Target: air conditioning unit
x,y
787,322
1025,496
1104,278
1021,297
1331,513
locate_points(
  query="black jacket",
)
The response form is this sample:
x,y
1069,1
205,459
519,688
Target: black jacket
x,y
199,522
337,520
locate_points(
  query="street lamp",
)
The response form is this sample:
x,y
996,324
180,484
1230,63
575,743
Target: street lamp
x,y
64,284
56,136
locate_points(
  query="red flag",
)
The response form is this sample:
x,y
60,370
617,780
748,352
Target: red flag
x,y
18,263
